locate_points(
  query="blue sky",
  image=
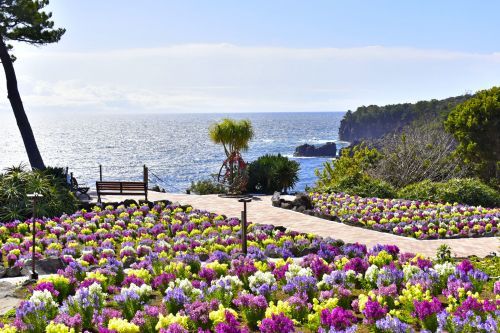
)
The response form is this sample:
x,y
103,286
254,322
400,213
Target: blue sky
x,y
248,56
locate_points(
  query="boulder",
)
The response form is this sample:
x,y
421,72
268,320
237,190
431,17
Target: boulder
x,y
276,199
44,266
302,200
329,149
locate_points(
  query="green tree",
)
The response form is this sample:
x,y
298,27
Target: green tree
x,y
24,21
476,126
234,136
270,173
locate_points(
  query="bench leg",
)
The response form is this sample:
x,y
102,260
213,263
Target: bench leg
x,y
98,198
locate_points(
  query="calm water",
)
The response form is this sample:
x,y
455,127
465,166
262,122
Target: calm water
x,y
175,147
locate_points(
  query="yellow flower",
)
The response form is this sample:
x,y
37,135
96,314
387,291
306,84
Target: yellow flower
x,y
166,321
219,315
277,308
8,329
140,273
122,326
57,328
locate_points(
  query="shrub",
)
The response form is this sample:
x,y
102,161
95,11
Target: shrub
x,y
469,191
17,182
349,174
207,186
363,185
350,167
417,154
270,173
424,190
462,190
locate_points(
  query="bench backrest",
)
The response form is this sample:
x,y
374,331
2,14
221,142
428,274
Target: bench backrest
x,y
121,187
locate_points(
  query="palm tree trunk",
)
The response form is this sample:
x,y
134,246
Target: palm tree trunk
x,y
23,123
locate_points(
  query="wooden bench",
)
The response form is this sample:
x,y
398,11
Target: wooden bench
x,y
121,188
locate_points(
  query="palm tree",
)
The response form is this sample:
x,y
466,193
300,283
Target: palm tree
x,y
234,136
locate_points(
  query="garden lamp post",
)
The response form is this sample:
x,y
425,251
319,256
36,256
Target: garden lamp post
x,y
34,196
244,224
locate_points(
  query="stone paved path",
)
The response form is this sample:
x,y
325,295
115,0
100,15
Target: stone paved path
x,y
261,211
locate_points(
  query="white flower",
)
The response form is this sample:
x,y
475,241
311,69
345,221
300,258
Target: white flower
x,y
259,278
445,269
372,273
409,271
296,270
44,297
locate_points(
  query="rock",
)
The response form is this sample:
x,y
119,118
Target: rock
x,y
162,202
13,271
276,199
147,203
3,271
329,149
304,200
44,266
130,202
203,256
286,205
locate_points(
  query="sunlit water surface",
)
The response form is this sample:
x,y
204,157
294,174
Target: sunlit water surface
x,y
175,147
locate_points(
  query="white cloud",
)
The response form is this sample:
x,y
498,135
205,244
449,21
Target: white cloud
x,y
224,78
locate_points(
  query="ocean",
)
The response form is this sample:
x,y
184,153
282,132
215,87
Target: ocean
x,y
175,147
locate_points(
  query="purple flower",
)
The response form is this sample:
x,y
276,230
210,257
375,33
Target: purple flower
x,y
174,328
356,264
242,267
49,286
175,299
277,324
465,266
337,318
301,284
496,288
373,311
70,321
392,325
231,325
133,279
207,274
424,309
198,312
161,281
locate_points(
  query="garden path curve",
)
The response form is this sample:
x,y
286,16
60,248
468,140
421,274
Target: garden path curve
x,y
261,211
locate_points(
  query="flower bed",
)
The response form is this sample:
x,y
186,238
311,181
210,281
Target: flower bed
x,y
418,219
171,270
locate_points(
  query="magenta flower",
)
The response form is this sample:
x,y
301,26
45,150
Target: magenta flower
x,y
277,324
374,311
337,318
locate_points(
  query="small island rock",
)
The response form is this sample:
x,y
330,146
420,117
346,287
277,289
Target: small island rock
x,y
329,149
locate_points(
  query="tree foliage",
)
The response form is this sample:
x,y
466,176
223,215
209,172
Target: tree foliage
x,y
234,136
350,174
270,173
416,154
373,121
476,126
24,21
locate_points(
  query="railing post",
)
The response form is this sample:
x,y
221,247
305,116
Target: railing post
x,y
146,180
100,172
